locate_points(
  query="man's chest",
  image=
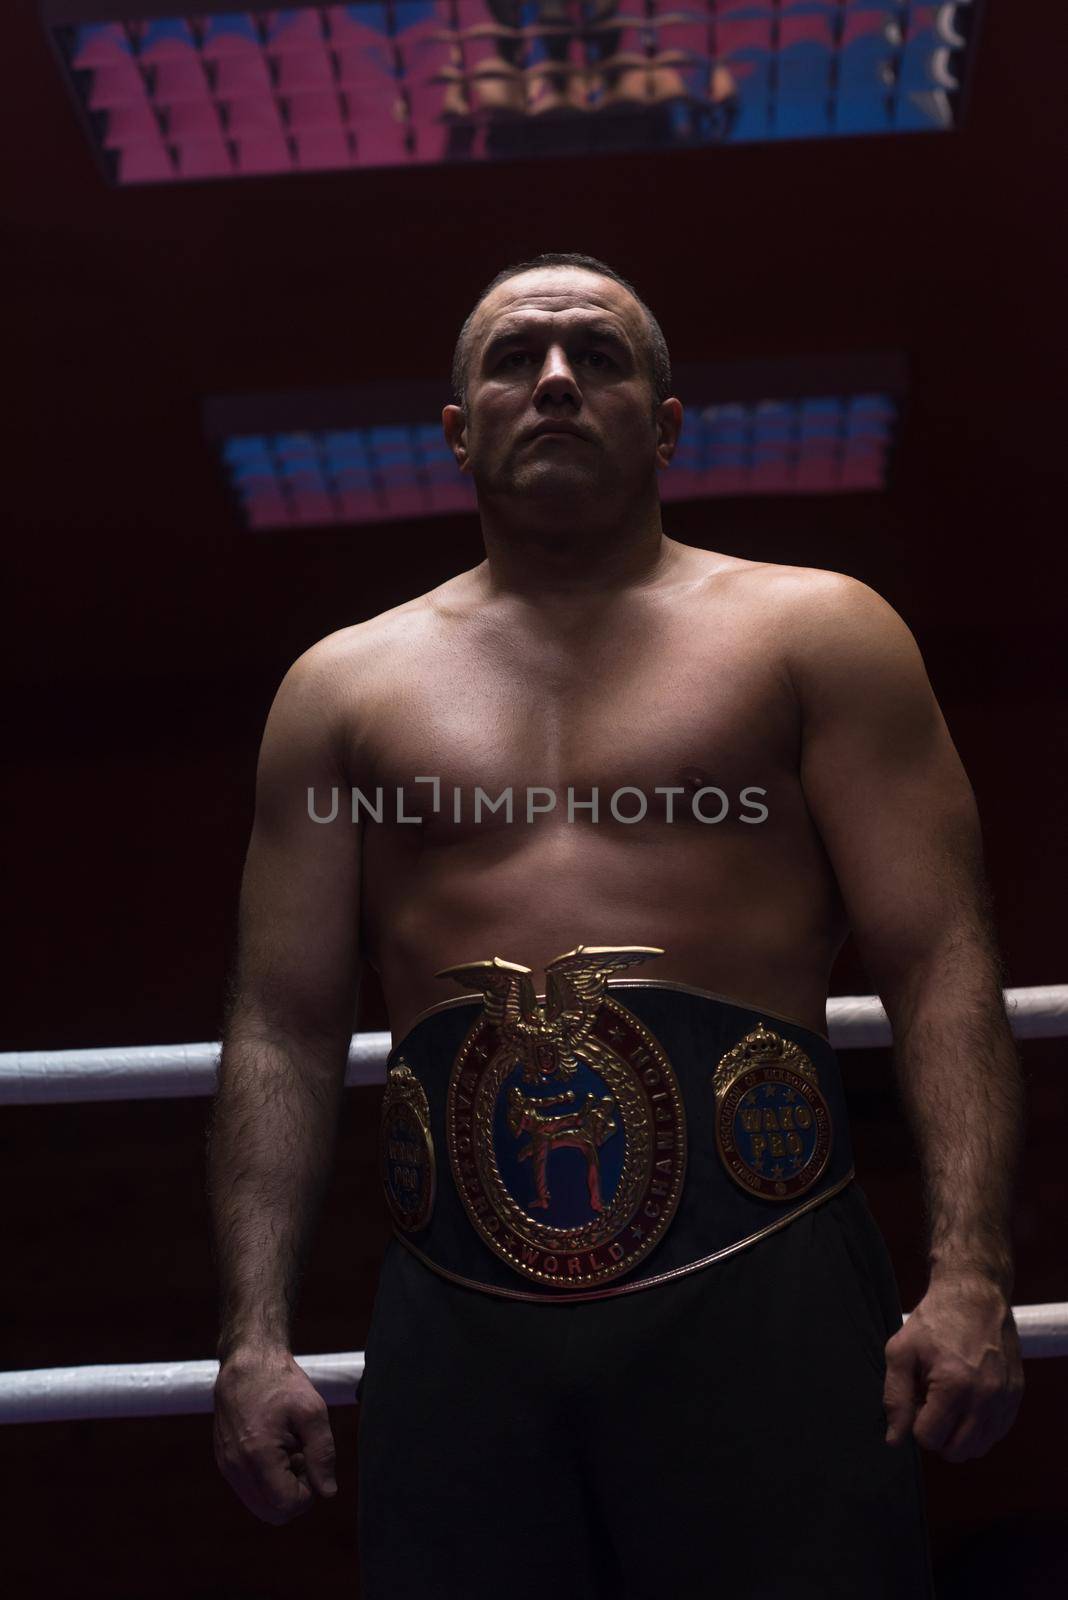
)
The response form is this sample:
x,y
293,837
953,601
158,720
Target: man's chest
x,y
644,710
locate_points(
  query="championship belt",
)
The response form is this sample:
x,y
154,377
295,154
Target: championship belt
x,y
596,1146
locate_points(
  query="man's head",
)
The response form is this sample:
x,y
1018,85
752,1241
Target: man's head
x,y
562,339
657,357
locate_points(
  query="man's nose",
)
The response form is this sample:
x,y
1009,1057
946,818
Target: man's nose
x,y
556,379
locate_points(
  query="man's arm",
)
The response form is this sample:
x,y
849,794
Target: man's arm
x,y
281,1078
897,816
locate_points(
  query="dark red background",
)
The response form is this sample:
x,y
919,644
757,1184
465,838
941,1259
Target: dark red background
x,y
148,631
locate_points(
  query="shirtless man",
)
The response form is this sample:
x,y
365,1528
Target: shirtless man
x,y
715,1388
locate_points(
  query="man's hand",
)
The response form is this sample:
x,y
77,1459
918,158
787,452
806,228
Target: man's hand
x,y
273,1442
954,1372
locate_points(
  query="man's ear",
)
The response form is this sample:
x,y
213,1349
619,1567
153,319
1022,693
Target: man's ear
x,y
668,428
454,423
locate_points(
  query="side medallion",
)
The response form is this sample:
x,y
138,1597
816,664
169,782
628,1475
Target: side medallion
x,y
773,1125
565,1124
406,1149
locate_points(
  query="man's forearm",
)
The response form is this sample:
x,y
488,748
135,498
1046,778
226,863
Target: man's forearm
x,y
961,1085
270,1150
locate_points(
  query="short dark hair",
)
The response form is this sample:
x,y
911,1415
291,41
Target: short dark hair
x,y
659,361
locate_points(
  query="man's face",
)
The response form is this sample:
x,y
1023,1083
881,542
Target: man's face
x,y
558,348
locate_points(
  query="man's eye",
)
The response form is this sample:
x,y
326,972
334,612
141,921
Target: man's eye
x,y
583,355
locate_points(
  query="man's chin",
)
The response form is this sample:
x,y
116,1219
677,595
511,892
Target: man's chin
x,y
556,481
543,483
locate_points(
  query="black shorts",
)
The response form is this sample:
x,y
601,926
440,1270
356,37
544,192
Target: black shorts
x,y
719,1434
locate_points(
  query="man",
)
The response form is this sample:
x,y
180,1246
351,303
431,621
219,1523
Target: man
x,y
637,1332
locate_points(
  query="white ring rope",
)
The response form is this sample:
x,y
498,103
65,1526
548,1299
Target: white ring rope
x,y
149,1389
172,1071
182,1388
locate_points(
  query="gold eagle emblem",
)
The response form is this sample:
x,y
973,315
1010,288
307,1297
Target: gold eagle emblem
x,y
546,1037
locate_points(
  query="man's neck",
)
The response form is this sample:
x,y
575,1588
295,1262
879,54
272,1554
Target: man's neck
x,y
551,567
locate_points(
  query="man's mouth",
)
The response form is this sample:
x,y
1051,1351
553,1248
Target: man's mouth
x,y
555,433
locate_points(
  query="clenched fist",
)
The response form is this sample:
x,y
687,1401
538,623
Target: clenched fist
x,y
273,1441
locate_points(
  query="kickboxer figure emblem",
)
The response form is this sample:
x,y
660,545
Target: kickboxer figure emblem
x,y
406,1149
773,1126
565,1123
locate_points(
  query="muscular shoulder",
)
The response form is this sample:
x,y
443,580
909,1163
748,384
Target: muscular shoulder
x,y
813,609
798,594
831,636
359,652
849,655
331,691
